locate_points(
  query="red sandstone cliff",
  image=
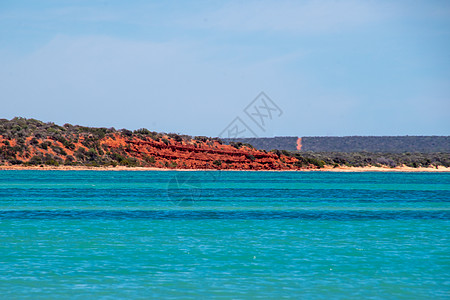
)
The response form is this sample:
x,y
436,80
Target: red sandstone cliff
x,y
72,145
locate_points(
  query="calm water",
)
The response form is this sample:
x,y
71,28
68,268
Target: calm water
x,y
92,234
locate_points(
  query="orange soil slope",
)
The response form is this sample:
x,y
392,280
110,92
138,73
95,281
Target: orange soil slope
x,y
165,153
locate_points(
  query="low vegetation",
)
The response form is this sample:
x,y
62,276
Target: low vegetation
x,y
363,159
33,142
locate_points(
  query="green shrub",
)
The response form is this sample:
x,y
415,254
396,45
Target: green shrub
x,y
15,162
143,131
69,160
129,162
236,145
34,141
201,138
35,160
286,153
126,132
176,137
80,154
58,150
149,159
44,145
69,145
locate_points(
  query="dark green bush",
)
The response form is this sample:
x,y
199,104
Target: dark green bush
x,y
34,141
44,145
58,150
69,145
201,138
126,132
176,137
143,131
149,159
35,160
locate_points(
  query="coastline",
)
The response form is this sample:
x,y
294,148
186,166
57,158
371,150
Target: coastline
x,y
325,169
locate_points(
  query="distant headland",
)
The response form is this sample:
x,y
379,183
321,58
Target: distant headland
x,y
33,144
375,144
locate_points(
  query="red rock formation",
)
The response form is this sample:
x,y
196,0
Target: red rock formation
x,y
144,151
200,155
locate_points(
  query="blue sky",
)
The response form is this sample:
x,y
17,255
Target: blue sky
x,y
333,67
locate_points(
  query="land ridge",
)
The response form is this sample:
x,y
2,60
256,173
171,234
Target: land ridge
x,y
373,144
33,144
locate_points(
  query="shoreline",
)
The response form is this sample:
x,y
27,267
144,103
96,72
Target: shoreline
x,y
325,169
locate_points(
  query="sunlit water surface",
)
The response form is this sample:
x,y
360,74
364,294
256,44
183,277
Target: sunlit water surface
x,y
124,234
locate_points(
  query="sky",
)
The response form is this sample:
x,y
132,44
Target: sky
x,y
325,67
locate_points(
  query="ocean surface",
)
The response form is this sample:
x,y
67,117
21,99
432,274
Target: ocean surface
x,y
217,234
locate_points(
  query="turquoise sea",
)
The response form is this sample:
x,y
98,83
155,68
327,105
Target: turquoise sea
x,y
217,234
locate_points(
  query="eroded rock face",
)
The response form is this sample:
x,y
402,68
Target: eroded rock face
x,y
119,149
200,155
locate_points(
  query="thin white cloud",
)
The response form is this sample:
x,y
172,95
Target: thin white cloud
x,y
292,16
